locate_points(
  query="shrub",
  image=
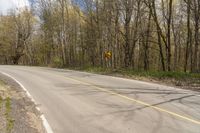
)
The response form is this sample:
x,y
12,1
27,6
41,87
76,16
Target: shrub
x,y
56,62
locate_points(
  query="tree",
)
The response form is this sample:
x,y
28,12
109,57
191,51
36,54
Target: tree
x,y
18,29
141,35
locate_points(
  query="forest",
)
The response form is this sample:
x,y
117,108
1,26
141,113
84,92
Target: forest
x,y
146,35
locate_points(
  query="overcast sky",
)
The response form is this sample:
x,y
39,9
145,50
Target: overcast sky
x,y
12,4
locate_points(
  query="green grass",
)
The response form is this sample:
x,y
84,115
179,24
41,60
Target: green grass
x,y
161,75
152,74
2,83
97,70
7,112
1,101
10,122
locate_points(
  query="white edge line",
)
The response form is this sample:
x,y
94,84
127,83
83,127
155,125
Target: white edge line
x,y
44,120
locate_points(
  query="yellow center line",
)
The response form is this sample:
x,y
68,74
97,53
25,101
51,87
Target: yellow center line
x,y
137,101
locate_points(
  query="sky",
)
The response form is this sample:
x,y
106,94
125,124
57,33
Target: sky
x,y
6,5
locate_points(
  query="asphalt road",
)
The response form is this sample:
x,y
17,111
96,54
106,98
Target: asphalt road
x,y
79,102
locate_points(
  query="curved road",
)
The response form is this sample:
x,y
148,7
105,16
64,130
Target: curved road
x,y
79,102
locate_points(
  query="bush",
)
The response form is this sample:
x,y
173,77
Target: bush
x,y
56,62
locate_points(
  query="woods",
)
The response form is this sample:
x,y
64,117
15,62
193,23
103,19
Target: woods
x,y
160,35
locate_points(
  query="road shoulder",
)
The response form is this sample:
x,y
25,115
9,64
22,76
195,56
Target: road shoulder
x,y
17,112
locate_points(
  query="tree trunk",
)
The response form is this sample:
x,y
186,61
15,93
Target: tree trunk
x,y
146,47
169,36
188,35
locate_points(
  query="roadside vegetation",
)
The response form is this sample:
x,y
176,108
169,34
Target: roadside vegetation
x,y
10,121
6,119
17,112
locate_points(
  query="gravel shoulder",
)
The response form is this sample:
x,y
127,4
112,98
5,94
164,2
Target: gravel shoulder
x,y
17,112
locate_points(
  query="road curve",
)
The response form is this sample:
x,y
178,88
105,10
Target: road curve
x,y
79,102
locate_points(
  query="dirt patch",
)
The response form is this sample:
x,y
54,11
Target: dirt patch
x,y
17,112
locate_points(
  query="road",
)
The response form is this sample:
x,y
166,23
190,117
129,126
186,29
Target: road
x,y
79,102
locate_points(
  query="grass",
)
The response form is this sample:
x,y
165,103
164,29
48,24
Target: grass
x,y
2,83
153,74
10,122
6,103
162,75
1,101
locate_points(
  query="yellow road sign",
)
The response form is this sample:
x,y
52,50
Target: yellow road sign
x,y
108,54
